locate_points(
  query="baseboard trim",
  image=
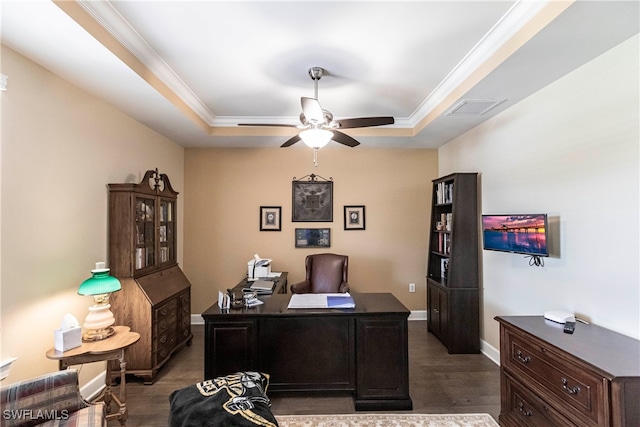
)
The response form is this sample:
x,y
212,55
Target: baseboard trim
x,y
92,389
418,315
490,351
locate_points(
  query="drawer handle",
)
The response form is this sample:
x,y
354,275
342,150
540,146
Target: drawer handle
x,y
523,359
435,310
570,390
525,412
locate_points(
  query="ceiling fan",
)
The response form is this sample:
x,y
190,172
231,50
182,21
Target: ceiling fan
x,y
319,127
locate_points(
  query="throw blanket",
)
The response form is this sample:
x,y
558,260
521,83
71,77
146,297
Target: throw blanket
x,y
235,400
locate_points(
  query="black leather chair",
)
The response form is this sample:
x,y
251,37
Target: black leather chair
x,y
326,273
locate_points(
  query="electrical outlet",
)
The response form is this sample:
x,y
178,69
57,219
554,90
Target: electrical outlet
x,y
412,287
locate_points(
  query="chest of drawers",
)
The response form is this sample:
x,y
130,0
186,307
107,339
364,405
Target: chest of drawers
x,y
549,378
158,307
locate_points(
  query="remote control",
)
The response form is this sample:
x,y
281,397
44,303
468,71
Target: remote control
x,y
569,327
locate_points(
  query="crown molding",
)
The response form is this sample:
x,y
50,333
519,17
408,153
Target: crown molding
x,y
500,42
112,21
481,55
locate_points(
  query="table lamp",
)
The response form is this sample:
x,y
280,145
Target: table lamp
x,y
98,322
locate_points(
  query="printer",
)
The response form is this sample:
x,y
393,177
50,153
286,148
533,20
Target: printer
x,y
258,268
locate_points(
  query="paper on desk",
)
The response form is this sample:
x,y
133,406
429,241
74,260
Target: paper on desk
x,y
253,302
331,300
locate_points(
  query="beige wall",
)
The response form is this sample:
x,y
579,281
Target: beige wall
x,y
570,150
60,148
224,189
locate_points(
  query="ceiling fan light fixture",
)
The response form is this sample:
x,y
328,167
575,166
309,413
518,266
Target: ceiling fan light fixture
x,y
316,138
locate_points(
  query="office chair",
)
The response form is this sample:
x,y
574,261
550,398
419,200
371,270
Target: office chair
x,y
326,273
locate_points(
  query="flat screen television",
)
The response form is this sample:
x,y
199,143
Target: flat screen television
x,y
521,234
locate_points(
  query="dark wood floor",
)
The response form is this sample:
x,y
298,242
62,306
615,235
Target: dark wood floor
x,y
439,383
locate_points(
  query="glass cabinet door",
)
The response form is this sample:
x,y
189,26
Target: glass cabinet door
x,y
145,233
167,231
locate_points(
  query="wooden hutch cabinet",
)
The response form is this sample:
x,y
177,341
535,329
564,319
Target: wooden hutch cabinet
x,y
155,299
453,303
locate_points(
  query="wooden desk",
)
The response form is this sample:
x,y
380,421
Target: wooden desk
x,y
111,348
362,351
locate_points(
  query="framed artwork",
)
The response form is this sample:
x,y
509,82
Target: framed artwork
x,y
313,237
312,200
354,218
270,218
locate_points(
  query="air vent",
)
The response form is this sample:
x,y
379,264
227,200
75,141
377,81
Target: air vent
x,y
473,107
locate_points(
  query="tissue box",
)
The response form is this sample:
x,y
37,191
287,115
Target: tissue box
x,y
257,272
66,339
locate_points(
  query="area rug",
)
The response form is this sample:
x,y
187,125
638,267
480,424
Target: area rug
x,y
387,420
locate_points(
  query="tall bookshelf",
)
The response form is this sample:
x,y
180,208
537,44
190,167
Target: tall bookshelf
x,y
453,303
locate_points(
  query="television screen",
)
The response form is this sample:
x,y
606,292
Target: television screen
x,y
523,234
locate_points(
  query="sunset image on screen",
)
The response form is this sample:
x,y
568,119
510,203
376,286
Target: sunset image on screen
x,y
515,233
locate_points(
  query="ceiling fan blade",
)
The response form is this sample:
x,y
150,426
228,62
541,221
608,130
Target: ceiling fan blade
x,y
343,138
364,122
291,141
268,125
312,109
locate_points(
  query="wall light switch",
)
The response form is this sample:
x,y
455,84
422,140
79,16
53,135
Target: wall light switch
x,y
412,287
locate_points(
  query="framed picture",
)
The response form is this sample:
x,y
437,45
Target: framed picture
x,y
270,218
354,218
313,237
312,201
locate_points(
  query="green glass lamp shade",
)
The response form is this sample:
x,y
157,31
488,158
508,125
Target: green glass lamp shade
x,y
99,283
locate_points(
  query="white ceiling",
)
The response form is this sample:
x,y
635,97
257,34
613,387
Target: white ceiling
x,y
193,70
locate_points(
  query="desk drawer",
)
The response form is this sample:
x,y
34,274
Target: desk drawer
x,y
163,347
528,409
167,309
558,379
165,318
185,304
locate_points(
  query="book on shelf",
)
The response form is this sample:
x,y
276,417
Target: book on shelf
x,y
165,212
140,258
444,243
139,235
444,268
164,254
444,193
